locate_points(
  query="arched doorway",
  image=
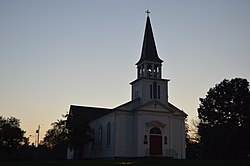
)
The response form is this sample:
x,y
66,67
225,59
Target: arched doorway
x,y
155,143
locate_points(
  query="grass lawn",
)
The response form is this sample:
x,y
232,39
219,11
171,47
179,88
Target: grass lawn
x,y
131,162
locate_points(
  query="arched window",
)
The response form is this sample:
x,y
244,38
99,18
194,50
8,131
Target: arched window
x,y
155,130
100,137
108,134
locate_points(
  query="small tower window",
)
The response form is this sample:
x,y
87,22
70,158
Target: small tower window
x,y
155,89
159,92
151,91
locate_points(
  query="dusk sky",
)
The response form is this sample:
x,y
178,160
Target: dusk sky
x,y
54,53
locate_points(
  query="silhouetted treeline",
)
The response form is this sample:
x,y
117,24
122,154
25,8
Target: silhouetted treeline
x,y
15,146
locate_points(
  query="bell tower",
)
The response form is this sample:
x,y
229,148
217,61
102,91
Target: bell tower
x,y
149,84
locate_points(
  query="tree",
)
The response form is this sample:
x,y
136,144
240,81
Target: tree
x,y
193,135
58,136
57,139
192,140
80,133
224,120
11,135
73,132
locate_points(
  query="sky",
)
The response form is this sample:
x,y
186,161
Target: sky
x,y
57,53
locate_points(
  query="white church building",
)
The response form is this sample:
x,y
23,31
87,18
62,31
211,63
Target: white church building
x,y
148,125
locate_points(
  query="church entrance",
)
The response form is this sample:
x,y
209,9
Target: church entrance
x,y
155,143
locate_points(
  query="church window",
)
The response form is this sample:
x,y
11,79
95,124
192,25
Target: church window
x,y
100,137
159,92
93,142
165,140
151,91
108,134
145,139
155,90
155,130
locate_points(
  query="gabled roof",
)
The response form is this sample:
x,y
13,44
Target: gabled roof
x,y
175,108
149,52
135,105
129,105
170,107
92,112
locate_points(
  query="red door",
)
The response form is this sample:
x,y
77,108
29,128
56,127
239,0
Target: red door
x,y
155,145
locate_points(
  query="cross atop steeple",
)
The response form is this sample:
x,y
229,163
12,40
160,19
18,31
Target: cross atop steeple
x,y
148,12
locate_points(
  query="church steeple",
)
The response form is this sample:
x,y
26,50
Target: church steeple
x,y
149,64
149,85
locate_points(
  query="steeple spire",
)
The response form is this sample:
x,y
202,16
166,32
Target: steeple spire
x,y
149,64
149,52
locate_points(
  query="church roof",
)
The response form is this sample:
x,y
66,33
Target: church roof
x,y
178,110
135,105
149,51
92,112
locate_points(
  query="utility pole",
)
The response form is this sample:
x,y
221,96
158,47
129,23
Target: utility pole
x,y
37,132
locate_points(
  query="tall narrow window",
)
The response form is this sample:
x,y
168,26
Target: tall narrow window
x,y
108,134
151,91
100,137
159,92
93,142
155,90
